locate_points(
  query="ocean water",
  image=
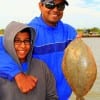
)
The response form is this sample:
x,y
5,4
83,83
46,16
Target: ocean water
x,y
94,93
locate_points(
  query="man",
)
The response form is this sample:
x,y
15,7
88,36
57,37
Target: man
x,y
52,37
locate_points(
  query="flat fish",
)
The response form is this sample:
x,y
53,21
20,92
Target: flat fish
x,y
79,67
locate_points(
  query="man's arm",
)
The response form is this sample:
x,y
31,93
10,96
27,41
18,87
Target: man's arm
x,y
8,67
10,70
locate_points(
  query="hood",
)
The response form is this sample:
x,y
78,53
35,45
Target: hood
x,y
38,21
9,34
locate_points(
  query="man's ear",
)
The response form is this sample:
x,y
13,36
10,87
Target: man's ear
x,y
40,6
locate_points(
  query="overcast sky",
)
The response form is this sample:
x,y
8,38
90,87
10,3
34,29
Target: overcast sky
x,y
79,13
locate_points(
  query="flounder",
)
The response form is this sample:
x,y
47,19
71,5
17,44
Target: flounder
x,y
79,67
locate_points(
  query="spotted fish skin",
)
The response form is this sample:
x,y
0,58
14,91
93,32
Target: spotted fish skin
x,y
79,67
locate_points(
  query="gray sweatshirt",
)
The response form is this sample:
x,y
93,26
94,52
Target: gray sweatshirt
x,y
45,89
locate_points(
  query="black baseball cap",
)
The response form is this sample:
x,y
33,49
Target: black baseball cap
x,y
66,2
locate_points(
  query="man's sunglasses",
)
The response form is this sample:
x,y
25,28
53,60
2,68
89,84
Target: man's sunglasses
x,y
52,5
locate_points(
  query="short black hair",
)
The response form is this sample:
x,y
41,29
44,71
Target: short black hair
x,y
26,30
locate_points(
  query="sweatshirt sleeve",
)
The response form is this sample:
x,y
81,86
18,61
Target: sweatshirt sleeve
x,y
8,67
50,85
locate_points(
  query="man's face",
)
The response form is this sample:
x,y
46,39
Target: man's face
x,y
52,15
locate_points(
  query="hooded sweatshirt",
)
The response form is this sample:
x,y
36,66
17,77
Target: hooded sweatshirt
x,y
45,89
49,46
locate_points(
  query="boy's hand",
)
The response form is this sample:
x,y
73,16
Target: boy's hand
x,y
25,82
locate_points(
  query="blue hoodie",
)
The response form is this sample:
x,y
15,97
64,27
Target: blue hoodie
x,y
49,46
8,67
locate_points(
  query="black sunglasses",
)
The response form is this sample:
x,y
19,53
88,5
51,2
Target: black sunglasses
x,y
52,5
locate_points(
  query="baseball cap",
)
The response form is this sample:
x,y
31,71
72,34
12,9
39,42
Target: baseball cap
x,y
66,2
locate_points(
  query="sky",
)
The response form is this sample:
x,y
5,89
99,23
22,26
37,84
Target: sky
x,y
79,13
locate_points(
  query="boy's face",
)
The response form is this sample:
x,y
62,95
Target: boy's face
x,y
22,44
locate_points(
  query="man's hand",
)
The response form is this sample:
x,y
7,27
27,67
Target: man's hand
x,y
25,82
